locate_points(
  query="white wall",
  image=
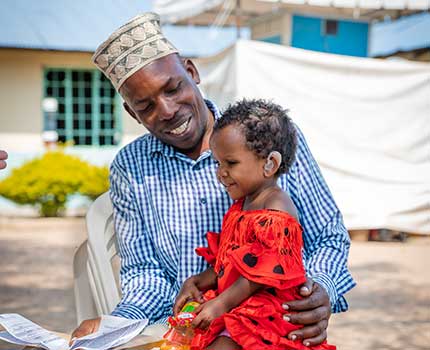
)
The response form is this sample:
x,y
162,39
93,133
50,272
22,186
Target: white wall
x,y
21,84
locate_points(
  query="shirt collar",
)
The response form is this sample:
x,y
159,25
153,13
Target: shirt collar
x,y
157,146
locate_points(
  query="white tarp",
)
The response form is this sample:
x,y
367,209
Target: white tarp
x,y
367,122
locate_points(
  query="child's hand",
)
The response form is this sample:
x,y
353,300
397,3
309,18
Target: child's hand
x,y
208,312
189,291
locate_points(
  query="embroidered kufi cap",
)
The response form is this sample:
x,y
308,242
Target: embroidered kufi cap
x,y
131,47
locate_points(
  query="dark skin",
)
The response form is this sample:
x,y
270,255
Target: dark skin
x,y
163,96
3,157
244,175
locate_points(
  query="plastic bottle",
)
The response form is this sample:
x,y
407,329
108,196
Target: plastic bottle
x,y
180,333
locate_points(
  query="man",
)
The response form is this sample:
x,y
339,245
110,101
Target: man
x,y
3,157
166,196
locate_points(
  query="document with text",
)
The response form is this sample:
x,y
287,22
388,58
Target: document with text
x,y
113,332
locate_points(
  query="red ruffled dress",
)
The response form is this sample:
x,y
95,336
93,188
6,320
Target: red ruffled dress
x,y
263,246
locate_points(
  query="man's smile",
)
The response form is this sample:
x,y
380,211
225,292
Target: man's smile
x,y
228,186
181,128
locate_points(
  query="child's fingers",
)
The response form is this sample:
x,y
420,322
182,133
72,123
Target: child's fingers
x,y
197,296
196,322
204,324
179,303
201,323
198,309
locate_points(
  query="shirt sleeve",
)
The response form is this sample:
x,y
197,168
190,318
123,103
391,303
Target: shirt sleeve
x,y
146,290
326,240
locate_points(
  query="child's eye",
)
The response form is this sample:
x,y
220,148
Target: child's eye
x,y
231,162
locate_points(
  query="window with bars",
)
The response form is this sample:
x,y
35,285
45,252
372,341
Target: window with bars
x,y
89,109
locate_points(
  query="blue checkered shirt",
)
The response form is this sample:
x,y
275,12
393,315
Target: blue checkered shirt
x,y
164,203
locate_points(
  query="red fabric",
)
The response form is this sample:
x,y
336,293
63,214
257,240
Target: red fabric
x,y
263,246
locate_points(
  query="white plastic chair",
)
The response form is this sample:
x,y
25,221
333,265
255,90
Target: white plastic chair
x,y
95,273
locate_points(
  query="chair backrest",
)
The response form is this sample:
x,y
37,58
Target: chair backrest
x,y
101,251
84,301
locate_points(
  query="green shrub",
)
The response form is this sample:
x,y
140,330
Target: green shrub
x,y
47,182
99,182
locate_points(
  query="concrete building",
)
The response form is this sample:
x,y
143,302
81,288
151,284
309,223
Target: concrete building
x,y
405,37
48,82
363,28
49,88
88,112
311,32
45,53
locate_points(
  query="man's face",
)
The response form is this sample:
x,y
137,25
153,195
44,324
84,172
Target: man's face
x,y
164,97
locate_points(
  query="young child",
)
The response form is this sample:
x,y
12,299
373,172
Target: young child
x,y
256,260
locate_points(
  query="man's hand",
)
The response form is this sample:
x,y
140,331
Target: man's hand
x,y
189,291
3,157
313,311
207,312
86,327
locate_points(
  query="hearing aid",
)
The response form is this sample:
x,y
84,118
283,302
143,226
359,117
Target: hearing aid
x,y
269,162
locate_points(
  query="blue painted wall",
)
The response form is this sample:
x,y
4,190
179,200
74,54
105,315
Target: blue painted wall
x,y
275,39
351,38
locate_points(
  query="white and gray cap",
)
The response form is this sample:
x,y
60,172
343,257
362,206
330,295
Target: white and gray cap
x,y
131,47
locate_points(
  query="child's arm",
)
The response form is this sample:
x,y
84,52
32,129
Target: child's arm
x,y
206,279
239,291
193,287
227,300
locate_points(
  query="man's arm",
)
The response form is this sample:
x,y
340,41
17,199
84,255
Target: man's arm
x,y
326,244
326,240
146,290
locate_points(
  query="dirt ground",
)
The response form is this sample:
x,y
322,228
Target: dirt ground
x,y
389,309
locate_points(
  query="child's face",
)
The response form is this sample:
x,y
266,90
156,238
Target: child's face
x,y
240,170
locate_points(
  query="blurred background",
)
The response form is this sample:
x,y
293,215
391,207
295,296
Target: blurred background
x,y
355,75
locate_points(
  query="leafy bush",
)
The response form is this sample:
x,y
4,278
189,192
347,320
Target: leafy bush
x,y
99,182
47,182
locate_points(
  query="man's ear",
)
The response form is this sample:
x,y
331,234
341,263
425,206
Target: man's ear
x,y
273,162
191,70
131,112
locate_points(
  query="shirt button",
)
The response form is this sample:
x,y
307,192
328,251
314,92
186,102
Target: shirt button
x,y
203,201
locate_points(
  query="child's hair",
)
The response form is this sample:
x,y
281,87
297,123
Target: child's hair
x,y
266,127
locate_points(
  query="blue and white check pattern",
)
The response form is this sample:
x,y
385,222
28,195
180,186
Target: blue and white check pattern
x,y
164,203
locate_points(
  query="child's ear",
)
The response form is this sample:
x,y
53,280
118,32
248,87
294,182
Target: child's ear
x,y
273,162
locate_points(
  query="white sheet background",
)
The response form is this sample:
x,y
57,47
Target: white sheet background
x,y
367,123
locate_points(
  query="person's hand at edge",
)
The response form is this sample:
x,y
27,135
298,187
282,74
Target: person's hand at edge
x,y
3,157
313,312
86,327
